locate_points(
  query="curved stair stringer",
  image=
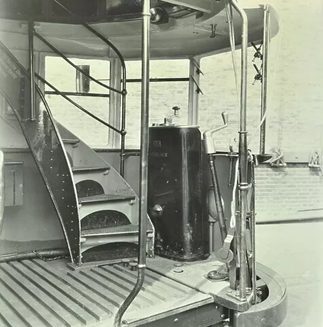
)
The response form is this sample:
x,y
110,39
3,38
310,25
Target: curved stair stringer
x,y
116,195
45,145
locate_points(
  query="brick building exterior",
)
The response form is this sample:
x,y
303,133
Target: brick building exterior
x,y
294,120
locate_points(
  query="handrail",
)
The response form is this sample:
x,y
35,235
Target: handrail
x,y
243,152
124,79
73,65
77,105
144,163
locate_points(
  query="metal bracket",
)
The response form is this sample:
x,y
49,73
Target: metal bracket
x,y
197,66
213,30
258,53
258,76
277,159
315,160
198,89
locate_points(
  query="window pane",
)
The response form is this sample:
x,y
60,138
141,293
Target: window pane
x,y
63,76
163,97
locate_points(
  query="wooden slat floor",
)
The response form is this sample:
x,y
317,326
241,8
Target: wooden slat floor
x,y
38,293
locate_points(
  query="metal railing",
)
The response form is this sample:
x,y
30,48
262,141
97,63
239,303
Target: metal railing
x,y
123,92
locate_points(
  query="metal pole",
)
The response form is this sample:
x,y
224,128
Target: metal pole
x,y
243,153
264,85
123,119
32,113
193,93
144,162
115,102
253,235
218,202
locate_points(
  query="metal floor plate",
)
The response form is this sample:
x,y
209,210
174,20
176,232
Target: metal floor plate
x,y
38,293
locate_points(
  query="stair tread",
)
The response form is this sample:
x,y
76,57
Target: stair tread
x,y
105,198
124,229
89,168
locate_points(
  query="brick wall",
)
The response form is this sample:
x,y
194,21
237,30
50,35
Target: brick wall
x,y
294,192
294,120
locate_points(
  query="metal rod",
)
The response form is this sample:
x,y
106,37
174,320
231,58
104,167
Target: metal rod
x,y
44,254
77,105
75,66
115,102
154,80
253,235
243,153
93,31
144,163
123,120
218,202
264,85
32,113
91,95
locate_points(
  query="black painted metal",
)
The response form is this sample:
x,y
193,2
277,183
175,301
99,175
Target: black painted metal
x,y
175,183
45,144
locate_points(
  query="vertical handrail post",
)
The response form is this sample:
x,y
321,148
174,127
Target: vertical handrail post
x,y
32,113
264,85
115,103
123,119
144,146
243,154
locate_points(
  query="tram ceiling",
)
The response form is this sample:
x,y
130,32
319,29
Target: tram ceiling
x,y
179,38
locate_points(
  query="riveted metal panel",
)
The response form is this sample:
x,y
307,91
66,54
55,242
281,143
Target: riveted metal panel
x,y
45,145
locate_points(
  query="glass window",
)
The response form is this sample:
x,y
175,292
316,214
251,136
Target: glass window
x,y
163,96
63,76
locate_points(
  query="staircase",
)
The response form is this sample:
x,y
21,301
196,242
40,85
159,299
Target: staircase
x,y
96,207
108,207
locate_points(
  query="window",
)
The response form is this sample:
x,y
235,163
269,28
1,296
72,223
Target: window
x,y
164,95
63,76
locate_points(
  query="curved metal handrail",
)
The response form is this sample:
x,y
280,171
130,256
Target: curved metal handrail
x,y
124,80
54,49
77,105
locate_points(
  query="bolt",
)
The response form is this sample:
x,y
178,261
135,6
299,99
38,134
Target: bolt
x,y
176,320
133,266
178,270
222,316
125,262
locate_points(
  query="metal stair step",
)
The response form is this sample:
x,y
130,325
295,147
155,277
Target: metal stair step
x,y
82,169
101,198
117,230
